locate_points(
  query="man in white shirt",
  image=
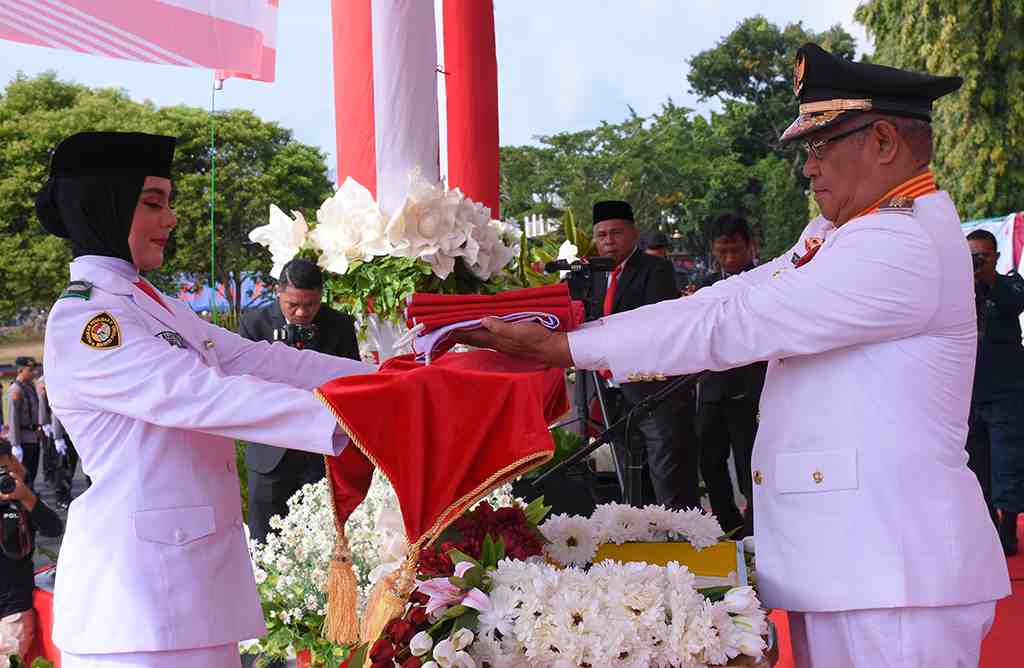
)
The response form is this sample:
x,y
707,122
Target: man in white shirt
x,y
871,352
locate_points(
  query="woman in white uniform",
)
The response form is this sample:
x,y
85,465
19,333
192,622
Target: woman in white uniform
x,y
154,570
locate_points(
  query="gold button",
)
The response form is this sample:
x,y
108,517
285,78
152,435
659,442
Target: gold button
x,y
776,273
208,344
818,477
758,478
659,376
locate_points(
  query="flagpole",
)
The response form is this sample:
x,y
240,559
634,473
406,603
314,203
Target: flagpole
x,y
213,201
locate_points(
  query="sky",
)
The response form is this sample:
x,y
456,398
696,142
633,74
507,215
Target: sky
x,y
563,65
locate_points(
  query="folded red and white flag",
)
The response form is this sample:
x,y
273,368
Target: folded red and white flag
x,y
436,318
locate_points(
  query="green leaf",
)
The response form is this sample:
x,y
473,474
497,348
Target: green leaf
x,y
536,511
358,655
457,557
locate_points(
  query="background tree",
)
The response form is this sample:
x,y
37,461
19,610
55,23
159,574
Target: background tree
x,y
258,162
750,73
979,131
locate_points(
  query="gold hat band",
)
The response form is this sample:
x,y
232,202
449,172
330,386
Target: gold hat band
x,y
835,105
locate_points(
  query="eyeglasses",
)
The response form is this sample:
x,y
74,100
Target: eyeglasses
x,y
815,148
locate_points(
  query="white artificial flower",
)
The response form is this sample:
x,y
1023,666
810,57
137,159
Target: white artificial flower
x,y
421,643
463,660
282,236
572,539
444,653
350,226
568,252
740,600
462,639
436,225
493,255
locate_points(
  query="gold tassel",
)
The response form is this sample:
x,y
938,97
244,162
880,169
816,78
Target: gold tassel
x,y
387,599
342,622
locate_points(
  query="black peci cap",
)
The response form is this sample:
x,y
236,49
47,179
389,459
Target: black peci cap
x,y
25,361
831,88
612,210
109,153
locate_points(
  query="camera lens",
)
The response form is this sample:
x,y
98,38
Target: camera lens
x,y
7,483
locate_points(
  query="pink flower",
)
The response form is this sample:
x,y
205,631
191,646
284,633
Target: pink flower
x,y
477,600
442,594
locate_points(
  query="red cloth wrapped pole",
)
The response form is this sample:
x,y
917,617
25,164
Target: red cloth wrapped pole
x,y
471,91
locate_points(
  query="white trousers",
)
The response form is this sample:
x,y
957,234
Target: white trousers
x,y
944,637
222,656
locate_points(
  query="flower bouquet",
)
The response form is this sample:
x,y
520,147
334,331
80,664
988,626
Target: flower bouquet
x,y
490,596
438,240
291,574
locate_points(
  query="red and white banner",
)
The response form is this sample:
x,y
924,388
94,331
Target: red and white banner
x,y
385,92
237,36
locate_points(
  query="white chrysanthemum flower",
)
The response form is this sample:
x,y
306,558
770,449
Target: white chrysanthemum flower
x,y
572,540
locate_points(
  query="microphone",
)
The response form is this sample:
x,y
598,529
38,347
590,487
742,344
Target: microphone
x,y
597,263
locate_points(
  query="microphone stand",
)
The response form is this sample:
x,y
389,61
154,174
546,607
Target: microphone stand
x,y
632,493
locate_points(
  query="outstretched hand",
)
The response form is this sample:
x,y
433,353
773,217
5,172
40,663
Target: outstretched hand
x,y
526,340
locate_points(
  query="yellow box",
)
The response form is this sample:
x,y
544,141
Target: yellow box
x,y
724,560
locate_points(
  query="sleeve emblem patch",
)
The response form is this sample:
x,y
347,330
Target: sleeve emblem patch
x,y
102,332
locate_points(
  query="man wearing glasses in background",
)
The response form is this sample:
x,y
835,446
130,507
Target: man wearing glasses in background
x,y
870,529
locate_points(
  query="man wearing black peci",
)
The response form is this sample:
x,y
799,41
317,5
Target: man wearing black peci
x,y
296,318
639,279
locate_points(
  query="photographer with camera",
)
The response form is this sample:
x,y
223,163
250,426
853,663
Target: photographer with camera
x,y
995,441
298,318
22,513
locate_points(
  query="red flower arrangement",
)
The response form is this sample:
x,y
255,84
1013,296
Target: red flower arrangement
x,y
467,534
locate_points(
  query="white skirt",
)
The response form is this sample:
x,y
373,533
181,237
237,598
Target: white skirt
x,y
222,656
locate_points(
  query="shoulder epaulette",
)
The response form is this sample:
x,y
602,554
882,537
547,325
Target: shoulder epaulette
x,y
77,290
898,204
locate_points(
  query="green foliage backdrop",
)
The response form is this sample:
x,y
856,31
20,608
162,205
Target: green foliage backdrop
x,y
258,162
980,129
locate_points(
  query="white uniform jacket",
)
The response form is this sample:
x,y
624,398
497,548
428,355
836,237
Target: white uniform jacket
x,y
154,556
862,494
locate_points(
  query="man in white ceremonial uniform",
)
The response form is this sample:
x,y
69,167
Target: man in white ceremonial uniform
x,y
871,530
154,567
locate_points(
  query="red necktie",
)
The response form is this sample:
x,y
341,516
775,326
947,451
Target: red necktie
x,y
609,303
148,289
609,295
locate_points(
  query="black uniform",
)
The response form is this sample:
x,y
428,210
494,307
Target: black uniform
x,y
727,404
669,443
996,439
275,474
